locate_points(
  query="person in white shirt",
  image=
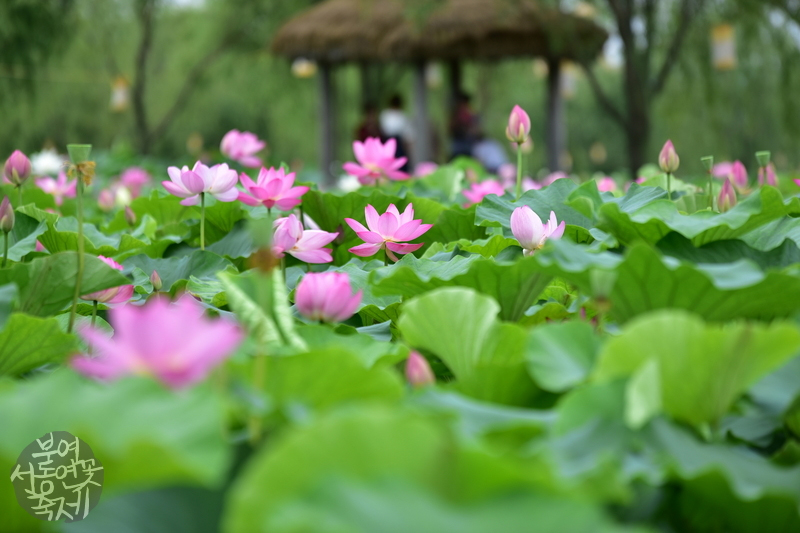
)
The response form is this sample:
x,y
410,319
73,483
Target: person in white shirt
x,y
396,125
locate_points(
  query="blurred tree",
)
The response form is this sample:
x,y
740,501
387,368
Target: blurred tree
x,y
238,25
30,31
648,29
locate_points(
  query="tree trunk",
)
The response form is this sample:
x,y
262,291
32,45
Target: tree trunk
x,y
421,150
146,15
556,128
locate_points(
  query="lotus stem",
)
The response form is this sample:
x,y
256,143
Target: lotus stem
x,y
94,312
710,192
669,185
202,221
19,192
254,423
519,171
76,295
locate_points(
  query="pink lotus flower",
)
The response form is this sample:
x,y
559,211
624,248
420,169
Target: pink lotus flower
x,y
273,188
727,197
418,371
424,168
105,200
173,342
388,232
607,184
528,184
722,169
7,217
134,178
668,159
376,161
17,168
519,125
241,146
114,295
507,172
218,181
771,177
326,296
305,245
478,191
797,182
553,177
739,175
60,188
528,229
40,247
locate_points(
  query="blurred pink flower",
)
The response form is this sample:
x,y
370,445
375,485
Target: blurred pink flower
x,y
553,177
771,177
326,296
528,184
40,247
519,125
388,232
727,197
7,217
105,200
477,191
17,168
114,295
722,170
375,161
173,342
305,245
668,159
607,184
218,181
797,182
528,229
507,172
134,178
241,146
424,168
418,371
60,188
272,188
739,175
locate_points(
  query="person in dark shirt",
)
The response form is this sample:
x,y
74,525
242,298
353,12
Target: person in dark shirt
x,y
370,125
463,127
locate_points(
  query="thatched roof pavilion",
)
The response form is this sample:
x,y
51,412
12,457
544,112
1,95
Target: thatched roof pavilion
x,y
339,31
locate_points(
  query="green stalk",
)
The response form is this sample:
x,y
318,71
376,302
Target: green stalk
x,y
19,191
710,192
519,171
76,295
94,312
385,257
202,221
254,423
669,185
5,249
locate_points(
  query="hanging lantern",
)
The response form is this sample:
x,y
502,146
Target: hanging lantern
x,y
723,47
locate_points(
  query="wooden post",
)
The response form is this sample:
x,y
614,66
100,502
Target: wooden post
x,y
367,94
556,134
422,149
326,125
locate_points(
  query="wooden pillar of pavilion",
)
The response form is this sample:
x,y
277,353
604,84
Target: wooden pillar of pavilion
x,y
326,123
422,149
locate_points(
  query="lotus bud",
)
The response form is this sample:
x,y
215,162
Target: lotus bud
x,y
6,215
519,125
668,159
767,175
155,279
130,216
739,173
17,168
105,200
763,158
708,162
727,196
418,371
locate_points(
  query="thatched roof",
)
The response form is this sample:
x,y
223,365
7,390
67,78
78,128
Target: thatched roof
x,y
358,30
